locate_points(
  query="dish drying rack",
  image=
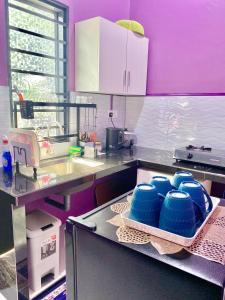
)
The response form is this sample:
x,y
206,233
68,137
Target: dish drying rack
x,y
28,108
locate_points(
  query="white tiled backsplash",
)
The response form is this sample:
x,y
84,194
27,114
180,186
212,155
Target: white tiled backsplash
x,y
103,106
170,122
159,122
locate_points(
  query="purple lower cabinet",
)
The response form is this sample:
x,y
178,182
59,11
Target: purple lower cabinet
x,y
81,203
86,200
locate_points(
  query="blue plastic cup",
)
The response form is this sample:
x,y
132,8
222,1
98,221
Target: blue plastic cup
x,y
178,214
199,195
146,205
181,176
162,184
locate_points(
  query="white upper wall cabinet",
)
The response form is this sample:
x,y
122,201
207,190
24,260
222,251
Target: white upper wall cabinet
x,y
137,62
109,58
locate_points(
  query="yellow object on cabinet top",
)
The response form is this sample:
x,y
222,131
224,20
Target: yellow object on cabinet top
x,y
132,25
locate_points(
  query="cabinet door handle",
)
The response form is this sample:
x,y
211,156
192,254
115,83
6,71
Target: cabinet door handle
x,y
124,79
128,84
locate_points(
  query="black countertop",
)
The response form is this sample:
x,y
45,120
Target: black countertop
x,y
57,175
191,264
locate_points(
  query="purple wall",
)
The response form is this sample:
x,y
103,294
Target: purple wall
x,y
187,44
187,41
84,9
79,10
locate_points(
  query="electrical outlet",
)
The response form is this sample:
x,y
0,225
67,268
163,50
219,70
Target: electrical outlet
x,y
112,114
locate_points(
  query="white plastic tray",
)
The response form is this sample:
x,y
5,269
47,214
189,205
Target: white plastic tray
x,y
178,239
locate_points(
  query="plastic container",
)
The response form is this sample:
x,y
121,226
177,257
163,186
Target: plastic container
x,y
43,248
6,155
55,292
98,147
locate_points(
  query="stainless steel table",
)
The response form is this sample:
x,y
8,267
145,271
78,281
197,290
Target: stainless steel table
x,y
69,175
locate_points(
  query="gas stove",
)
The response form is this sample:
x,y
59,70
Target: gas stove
x,y
202,155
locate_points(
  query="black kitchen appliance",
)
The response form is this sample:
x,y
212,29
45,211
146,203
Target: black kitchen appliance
x,y
114,138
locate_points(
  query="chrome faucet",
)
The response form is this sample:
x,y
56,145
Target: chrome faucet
x,y
55,123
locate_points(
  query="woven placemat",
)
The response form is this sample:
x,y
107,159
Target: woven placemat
x,y
126,234
209,244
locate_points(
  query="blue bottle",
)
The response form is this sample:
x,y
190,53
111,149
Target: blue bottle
x,y
8,178
6,155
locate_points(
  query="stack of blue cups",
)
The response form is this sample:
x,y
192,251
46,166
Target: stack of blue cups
x,y
178,206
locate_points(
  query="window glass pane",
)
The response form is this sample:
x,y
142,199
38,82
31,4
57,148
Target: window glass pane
x,y
32,43
61,19
62,50
62,83
36,88
61,32
31,63
62,66
46,123
32,23
45,12
41,120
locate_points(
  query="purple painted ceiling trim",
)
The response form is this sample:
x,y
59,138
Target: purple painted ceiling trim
x,y
184,94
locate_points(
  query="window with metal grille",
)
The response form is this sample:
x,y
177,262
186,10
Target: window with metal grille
x,y
38,56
